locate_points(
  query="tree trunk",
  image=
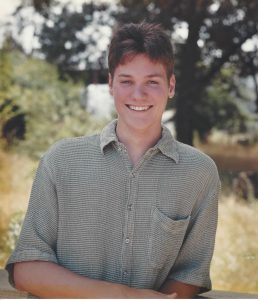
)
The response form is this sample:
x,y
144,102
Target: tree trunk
x,y
256,90
184,124
188,90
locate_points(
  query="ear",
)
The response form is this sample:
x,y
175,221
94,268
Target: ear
x,y
172,85
110,84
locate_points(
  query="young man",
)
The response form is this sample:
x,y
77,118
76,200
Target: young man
x,y
129,213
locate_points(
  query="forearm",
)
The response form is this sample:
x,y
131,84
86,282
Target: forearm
x,y
183,290
49,280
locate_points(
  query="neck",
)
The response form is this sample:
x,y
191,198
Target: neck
x,y
137,142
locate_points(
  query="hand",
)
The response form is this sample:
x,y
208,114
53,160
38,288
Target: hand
x,y
147,293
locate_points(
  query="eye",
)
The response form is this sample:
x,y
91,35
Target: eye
x,y
126,82
153,82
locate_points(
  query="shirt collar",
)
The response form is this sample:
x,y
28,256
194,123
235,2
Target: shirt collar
x,y
108,135
167,144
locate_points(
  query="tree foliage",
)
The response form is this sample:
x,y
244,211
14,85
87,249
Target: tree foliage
x,y
75,40
51,106
5,85
9,110
75,46
223,110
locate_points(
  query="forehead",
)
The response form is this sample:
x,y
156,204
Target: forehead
x,y
140,64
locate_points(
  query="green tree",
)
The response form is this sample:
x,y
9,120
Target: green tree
x,y
51,106
8,107
75,40
223,110
75,49
5,85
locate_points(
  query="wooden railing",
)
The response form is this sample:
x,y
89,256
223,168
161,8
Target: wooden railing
x,y
7,292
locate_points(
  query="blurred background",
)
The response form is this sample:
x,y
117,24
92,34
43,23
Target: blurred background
x,y
53,84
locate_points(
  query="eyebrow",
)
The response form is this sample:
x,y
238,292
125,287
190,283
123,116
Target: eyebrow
x,y
148,76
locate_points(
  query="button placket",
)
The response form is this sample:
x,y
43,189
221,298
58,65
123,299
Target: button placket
x,y
128,230
127,247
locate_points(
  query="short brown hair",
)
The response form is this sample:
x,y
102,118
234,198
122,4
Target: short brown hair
x,y
144,38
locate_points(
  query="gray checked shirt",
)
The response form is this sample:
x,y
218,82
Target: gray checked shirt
x,y
97,215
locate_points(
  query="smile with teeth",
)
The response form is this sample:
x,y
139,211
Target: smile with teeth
x,y
139,108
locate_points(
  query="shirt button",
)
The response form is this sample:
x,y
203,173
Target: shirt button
x,y
132,175
129,207
127,241
125,273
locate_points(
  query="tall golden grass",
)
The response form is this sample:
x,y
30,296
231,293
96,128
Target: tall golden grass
x,y
16,174
235,262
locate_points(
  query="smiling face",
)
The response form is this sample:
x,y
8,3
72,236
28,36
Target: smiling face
x,y
140,88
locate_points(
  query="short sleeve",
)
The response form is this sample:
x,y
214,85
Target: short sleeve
x,y
37,240
192,265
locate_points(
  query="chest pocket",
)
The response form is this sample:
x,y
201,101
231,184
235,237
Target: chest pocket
x,y
166,238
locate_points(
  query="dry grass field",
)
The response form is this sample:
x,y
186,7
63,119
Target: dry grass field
x,y
16,174
235,262
232,157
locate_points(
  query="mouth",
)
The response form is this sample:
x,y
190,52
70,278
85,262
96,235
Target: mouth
x,y
139,108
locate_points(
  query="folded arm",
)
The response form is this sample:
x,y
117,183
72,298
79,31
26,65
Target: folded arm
x,y
49,280
183,290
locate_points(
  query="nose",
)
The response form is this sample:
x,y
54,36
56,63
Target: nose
x,y
139,93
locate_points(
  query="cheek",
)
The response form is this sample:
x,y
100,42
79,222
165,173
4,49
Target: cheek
x,y
120,94
159,92
119,98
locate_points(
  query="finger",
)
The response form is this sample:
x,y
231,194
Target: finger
x,y
172,296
